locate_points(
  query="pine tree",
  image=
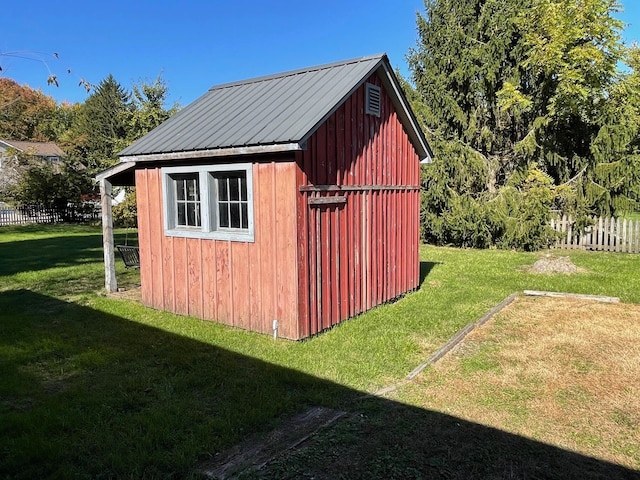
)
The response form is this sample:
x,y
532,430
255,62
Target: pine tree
x,y
466,52
509,90
614,185
100,130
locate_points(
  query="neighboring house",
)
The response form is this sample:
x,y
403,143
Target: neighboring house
x,y
289,201
16,156
12,149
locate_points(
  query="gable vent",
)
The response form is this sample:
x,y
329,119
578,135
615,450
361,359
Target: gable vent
x,y
372,100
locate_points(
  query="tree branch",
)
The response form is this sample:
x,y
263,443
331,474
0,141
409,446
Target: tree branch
x,y
575,177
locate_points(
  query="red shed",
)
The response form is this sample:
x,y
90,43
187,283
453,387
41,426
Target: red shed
x,y
288,200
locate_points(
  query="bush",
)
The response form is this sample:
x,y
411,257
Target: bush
x,y
528,206
52,185
516,217
125,214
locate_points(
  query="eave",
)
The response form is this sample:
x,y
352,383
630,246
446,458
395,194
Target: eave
x,y
215,152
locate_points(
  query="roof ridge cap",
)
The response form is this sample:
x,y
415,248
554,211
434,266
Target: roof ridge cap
x,y
299,71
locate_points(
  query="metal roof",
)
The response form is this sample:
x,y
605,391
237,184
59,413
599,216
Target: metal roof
x,y
276,112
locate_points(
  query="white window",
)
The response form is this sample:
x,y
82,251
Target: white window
x,y
212,201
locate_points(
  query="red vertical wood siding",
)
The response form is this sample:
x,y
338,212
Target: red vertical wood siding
x,y
359,249
336,233
247,285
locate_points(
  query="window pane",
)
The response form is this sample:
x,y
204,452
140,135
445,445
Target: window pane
x,y
234,189
223,191
193,214
192,190
224,214
244,209
243,188
180,189
235,215
182,215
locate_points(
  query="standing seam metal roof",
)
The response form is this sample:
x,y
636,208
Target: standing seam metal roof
x,y
276,109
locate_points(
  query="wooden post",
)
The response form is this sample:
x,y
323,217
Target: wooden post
x,y
110,282
619,235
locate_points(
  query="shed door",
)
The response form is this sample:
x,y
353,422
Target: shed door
x,y
329,288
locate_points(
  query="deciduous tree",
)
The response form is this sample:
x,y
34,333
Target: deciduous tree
x,y
149,109
25,113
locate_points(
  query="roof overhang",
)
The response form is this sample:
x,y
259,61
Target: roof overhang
x,y
406,115
215,152
121,175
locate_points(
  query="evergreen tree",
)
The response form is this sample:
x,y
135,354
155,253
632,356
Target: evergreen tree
x,y
466,52
100,130
614,185
148,112
509,90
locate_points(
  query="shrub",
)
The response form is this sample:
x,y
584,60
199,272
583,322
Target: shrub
x,y
125,214
52,184
516,217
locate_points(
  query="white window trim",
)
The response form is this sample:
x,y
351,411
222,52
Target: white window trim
x,y
208,203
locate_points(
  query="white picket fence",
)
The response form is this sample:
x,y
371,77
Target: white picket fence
x,y
606,234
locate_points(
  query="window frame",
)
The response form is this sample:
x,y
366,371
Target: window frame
x,y
209,228
179,204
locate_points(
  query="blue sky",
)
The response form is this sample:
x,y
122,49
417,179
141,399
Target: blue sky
x,y
198,44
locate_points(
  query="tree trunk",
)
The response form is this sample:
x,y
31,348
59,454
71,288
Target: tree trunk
x,y
492,170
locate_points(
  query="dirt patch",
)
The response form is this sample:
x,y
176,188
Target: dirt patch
x,y
562,371
131,293
551,264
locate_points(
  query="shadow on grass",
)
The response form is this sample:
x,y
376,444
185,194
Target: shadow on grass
x,y
57,251
425,270
41,254
84,394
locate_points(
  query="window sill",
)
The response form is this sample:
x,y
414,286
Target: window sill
x,y
233,236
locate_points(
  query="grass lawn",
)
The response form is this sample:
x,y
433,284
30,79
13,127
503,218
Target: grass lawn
x,y
562,371
98,387
548,388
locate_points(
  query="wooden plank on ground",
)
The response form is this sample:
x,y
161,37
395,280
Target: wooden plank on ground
x,y
577,296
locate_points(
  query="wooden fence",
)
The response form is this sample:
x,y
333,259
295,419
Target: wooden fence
x,y
606,234
27,215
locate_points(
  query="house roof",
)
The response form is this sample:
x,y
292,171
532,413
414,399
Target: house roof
x,y
268,114
43,149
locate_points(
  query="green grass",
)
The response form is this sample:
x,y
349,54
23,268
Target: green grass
x,y
97,387
632,216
